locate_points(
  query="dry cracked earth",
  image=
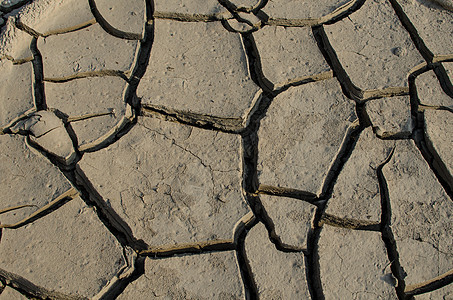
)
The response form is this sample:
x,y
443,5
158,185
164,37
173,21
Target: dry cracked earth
x,y
226,149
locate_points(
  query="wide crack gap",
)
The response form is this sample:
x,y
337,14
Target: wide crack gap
x,y
134,269
407,24
250,286
114,223
430,285
251,185
344,153
349,89
424,145
190,248
108,27
38,78
386,230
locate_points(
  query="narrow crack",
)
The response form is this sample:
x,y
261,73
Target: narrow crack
x,y
349,223
227,125
45,210
31,290
16,61
386,230
288,192
183,17
101,73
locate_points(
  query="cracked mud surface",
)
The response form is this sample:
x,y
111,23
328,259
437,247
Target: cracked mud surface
x,y
226,149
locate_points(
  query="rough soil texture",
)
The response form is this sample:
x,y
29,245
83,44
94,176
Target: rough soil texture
x,y
226,149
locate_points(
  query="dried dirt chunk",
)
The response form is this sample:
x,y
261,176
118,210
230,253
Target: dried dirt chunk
x,y
270,268
59,16
289,54
127,16
354,265
301,134
203,65
171,183
48,132
356,193
433,24
10,293
189,6
429,91
391,117
438,129
85,50
69,251
27,178
89,96
302,9
291,218
373,47
204,276
421,215
15,90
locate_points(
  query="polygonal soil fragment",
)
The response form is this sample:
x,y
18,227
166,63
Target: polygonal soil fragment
x,y
27,178
58,15
354,265
189,6
356,194
438,129
171,183
15,42
288,54
391,117
301,9
10,294
47,132
373,47
102,96
85,50
432,23
302,133
15,90
128,16
204,276
421,215
278,275
203,65
69,251
249,4
429,91
291,219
